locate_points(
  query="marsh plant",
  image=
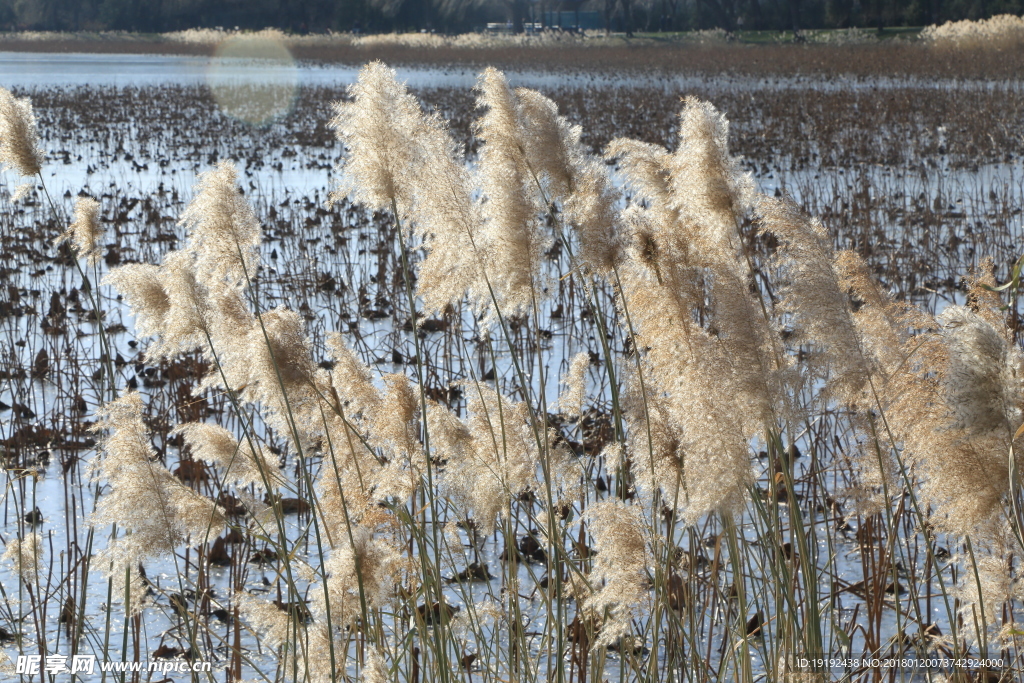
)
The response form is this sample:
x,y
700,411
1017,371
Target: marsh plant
x,y
731,430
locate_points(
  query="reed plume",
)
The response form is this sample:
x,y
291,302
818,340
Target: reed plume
x,y
142,287
575,381
471,478
281,368
448,221
398,157
187,322
962,445
24,555
85,231
812,294
374,668
504,439
224,234
716,368
351,378
900,386
656,445
365,568
491,458
157,510
393,426
712,348
619,576
244,463
513,238
168,302
345,486
982,382
231,323
688,376
573,177
378,129
708,186
713,196
19,140
273,623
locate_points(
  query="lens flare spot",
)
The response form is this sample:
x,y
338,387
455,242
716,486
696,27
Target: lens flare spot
x,y
253,78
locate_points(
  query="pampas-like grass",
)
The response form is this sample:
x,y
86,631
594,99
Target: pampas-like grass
x,y
374,669
394,428
273,623
244,465
708,186
656,446
85,232
513,237
573,177
575,381
25,556
224,235
399,158
983,381
812,294
492,457
379,129
619,576
142,286
278,356
157,510
472,479
688,375
363,572
715,386
169,302
19,140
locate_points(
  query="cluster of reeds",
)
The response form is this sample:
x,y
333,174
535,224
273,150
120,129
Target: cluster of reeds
x,y
982,50
732,421
1001,32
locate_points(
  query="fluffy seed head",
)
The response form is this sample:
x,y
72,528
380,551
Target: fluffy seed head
x,y
573,177
224,234
710,188
19,140
145,499
374,670
85,232
25,556
812,294
366,566
621,565
351,377
143,289
983,382
575,381
513,241
215,445
377,129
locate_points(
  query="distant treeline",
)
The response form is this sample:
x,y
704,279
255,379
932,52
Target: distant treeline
x,y
452,16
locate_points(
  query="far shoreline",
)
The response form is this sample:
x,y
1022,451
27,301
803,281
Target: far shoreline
x,y
870,58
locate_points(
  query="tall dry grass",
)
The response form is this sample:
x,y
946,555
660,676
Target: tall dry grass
x,y
976,50
1001,32
733,426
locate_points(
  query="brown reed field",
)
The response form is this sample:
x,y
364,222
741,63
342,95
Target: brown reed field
x,y
589,383
982,50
